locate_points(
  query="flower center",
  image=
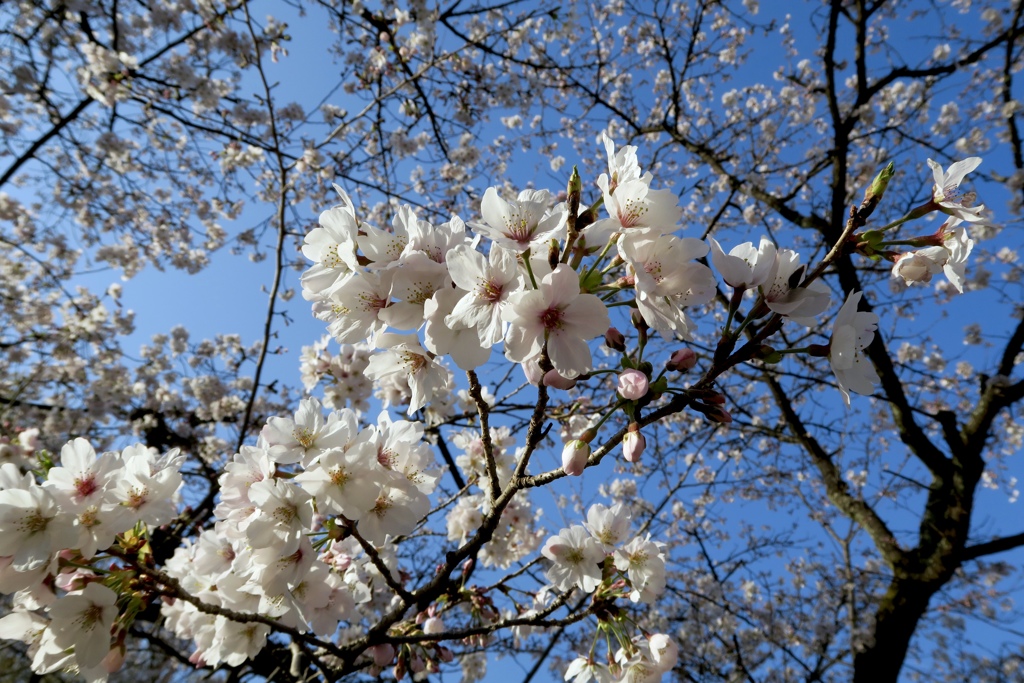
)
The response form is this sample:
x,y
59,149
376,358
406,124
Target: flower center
x,y
86,486
304,436
551,318
490,292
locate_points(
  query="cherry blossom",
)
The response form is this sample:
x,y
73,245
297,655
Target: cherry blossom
x,y
404,356
574,457
946,191
83,621
522,223
576,559
487,283
745,266
557,315
786,297
667,281
852,331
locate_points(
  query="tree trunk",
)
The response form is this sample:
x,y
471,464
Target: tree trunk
x,y
895,622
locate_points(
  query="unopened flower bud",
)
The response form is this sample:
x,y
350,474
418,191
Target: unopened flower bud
x,y
433,625
716,414
383,654
114,659
682,360
818,350
574,457
632,385
615,340
633,443
877,188
553,379
638,321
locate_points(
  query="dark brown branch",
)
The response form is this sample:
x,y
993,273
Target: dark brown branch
x,y
997,545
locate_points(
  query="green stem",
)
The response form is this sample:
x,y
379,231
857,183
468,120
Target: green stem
x,y
529,268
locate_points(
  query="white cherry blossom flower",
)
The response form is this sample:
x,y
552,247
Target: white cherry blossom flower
x,y
344,481
383,247
634,207
523,223
98,525
397,510
443,338
402,355
921,265
33,527
286,512
745,266
353,311
147,485
959,245
667,280
304,437
487,283
608,525
275,571
331,247
417,277
583,670
82,479
401,449
852,331
799,304
83,621
623,166
946,191
576,559
643,563
557,314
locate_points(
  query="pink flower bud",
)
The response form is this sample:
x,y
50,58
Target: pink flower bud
x,y
633,444
553,379
682,360
615,340
574,457
632,385
383,654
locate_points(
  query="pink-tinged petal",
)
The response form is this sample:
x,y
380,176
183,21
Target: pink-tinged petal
x,y
570,355
587,316
564,286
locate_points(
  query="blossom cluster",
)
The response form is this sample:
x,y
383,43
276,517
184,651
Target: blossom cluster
x,y
580,555
307,519
51,531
